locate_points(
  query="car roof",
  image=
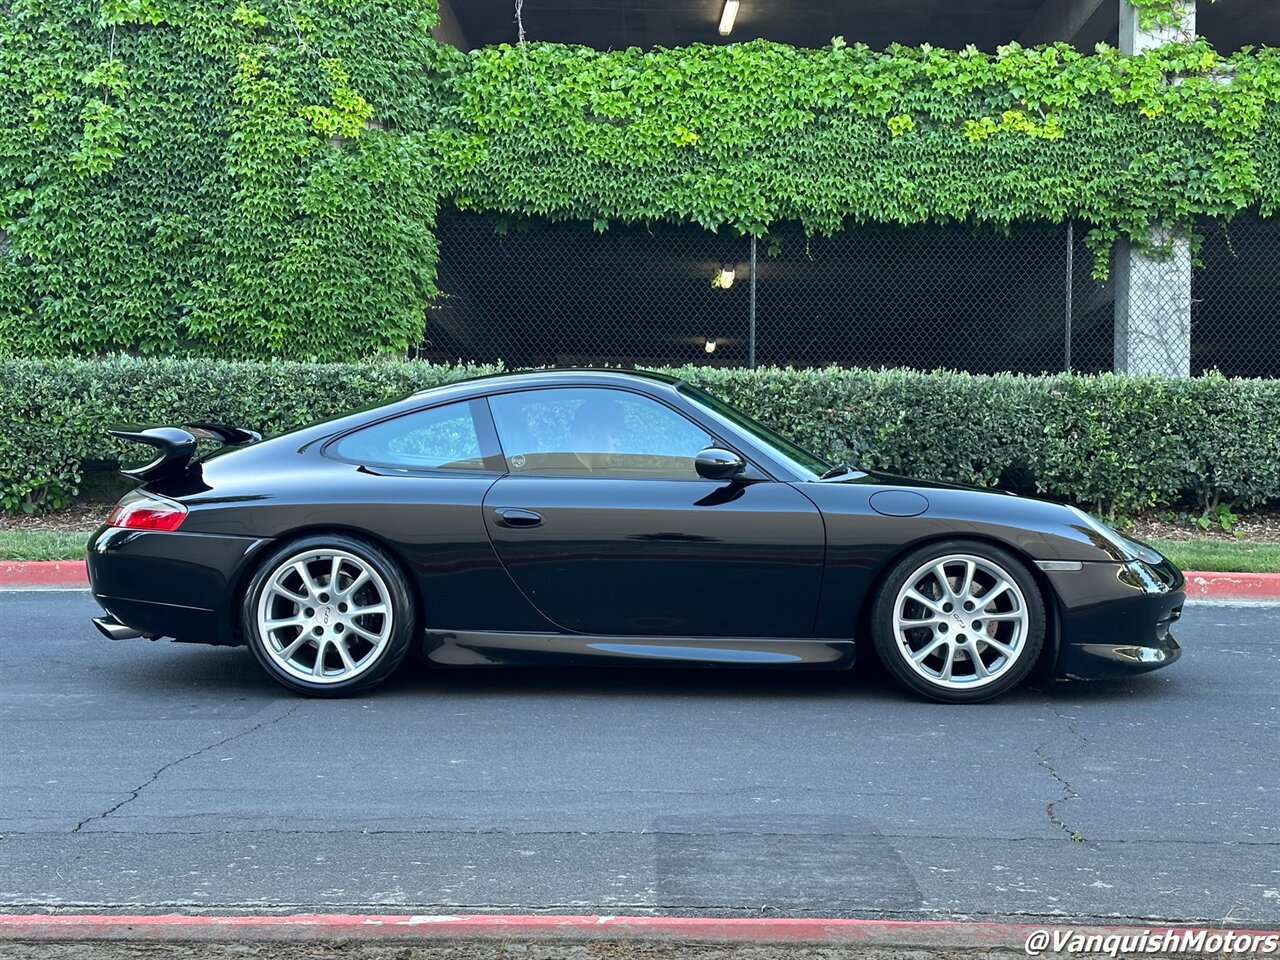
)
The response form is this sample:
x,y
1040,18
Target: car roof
x,y
562,376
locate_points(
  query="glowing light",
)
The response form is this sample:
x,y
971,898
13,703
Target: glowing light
x,y
729,14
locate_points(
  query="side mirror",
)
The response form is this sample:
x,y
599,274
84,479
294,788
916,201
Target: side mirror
x,y
716,464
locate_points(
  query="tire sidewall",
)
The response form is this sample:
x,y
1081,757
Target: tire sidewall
x,y
886,642
403,625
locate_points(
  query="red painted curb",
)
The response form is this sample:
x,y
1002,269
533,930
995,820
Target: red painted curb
x,y
1233,586
1201,585
43,573
490,926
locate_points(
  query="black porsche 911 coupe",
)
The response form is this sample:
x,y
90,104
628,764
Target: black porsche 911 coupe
x,y
594,516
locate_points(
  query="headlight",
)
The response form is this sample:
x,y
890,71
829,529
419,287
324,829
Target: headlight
x,y
1129,549
1140,575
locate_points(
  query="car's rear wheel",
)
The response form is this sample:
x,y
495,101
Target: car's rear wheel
x,y
329,615
959,622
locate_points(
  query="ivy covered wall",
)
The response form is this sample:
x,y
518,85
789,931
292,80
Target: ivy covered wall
x,y
221,178
260,178
750,134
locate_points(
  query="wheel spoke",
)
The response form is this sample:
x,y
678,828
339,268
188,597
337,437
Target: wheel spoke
x,y
318,668
999,587
930,617
913,594
979,668
369,610
924,652
998,646
940,572
308,584
292,648
1007,615
364,632
950,662
333,573
280,590
355,584
287,622
341,646
966,584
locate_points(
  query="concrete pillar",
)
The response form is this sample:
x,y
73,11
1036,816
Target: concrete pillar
x,y
1153,308
1134,38
1153,292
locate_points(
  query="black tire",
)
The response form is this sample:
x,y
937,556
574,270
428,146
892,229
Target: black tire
x,y
971,684
381,657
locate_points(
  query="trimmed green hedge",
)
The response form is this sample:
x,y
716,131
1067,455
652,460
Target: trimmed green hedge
x,y
1110,442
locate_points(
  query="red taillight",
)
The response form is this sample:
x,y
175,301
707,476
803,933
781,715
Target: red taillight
x,y
146,513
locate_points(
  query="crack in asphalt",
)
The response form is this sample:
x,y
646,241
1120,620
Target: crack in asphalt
x,y
1068,791
137,791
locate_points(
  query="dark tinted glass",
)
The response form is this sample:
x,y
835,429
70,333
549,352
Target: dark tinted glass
x,y
442,438
589,431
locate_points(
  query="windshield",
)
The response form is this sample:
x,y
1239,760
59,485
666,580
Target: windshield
x,y
801,461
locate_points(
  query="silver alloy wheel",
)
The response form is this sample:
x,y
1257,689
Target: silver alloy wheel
x,y
960,621
324,616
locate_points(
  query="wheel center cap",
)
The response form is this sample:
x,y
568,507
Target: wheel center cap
x,y
955,616
326,615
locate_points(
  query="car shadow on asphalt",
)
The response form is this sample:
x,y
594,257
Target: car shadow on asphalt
x,y
182,671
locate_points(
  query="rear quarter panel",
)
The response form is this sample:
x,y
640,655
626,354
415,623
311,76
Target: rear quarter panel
x,y
432,523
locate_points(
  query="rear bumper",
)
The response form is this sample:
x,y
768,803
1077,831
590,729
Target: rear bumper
x,y
177,585
1116,618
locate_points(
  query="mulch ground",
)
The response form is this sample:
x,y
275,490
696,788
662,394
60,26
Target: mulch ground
x,y
1258,527
77,516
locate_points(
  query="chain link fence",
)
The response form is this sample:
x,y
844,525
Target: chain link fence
x,y
538,293
1235,297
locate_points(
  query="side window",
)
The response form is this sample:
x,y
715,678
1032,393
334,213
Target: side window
x,y
592,431
456,436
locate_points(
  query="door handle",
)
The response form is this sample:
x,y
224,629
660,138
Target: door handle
x,y
515,517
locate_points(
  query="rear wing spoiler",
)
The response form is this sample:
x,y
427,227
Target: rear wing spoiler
x,y
177,445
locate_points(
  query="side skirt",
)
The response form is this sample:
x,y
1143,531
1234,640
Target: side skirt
x,y
482,648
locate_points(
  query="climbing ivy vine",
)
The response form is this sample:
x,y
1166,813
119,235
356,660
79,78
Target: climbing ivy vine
x,y
260,177
1161,13
751,134
183,176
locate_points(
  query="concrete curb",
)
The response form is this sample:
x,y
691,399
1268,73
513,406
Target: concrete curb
x,y
1201,585
900,933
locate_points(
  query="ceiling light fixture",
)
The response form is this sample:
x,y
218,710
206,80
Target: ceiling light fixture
x,y
727,17
710,345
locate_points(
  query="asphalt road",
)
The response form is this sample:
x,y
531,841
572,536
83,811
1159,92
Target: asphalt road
x,y
153,775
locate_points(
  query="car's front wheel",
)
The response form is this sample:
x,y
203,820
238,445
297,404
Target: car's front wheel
x,y
959,622
329,615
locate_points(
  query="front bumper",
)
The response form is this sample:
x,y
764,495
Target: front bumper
x,y
1116,618
178,585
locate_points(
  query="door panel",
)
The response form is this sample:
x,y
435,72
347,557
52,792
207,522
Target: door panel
x,y
693,558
